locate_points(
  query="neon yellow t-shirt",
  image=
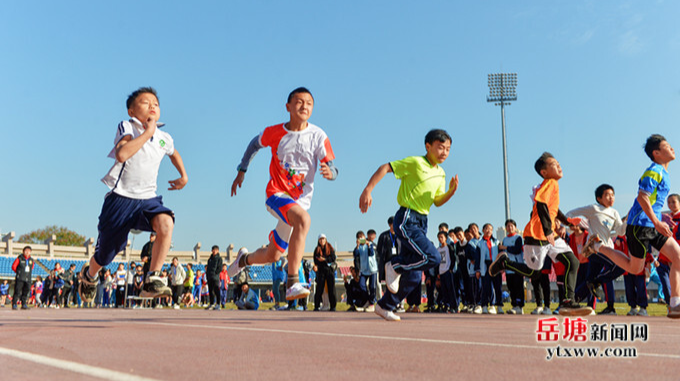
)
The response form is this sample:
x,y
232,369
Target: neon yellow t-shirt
x,y
420,183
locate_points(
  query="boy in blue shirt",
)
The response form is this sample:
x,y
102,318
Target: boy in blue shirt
x,y
645,227
423,183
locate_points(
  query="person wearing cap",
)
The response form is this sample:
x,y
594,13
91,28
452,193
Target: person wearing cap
x,y
324,260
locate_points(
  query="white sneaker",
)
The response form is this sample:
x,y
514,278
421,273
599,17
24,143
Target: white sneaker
x,y
485,310
370,308
642,312
400,309
537,311
492,310
234,268
387,315
633,311
477,310
176,306
359,309
296,291
391,278
546,311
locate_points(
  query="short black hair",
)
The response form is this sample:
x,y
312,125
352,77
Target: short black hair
x,y
652,144
677,196
298,91
487,224
360,233
457,229
442,233
26,247
142,90
542,162
390,221
437,135
215,247
511,221
472,224
443,225
599,191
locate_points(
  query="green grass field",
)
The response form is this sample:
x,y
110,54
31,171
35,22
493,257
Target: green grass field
x,y
654,309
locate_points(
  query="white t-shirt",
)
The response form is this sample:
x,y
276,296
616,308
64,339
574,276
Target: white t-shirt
x,y
605,222
136,178
446,258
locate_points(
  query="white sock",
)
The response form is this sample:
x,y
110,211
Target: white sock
x,y
597,246
675,300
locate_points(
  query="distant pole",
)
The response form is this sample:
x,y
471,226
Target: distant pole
x,y
502,90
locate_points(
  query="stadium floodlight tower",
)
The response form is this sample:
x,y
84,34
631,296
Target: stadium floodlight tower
x,y
502,90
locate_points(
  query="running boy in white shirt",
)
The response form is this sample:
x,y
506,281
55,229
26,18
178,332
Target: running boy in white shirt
x,y
297,146
132,203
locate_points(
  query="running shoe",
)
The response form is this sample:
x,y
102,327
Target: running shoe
x,y
633,311
498,265
87,288
391,278
387,315
589,247
570,308
674,312
608,311
296,291
154,287
234,268
537,311
642,312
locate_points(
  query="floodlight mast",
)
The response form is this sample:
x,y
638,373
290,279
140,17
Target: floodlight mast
x,y
502,90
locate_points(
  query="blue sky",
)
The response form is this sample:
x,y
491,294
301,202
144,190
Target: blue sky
x,y
595,79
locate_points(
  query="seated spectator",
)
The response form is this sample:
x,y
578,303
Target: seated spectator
x,y
248,299
188,299
357,296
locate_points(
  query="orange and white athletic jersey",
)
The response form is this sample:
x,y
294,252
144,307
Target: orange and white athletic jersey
x,y
295,155
548,194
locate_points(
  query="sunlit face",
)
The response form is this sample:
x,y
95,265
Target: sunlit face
x,y
300,107
442,239
144,107
175,262
461,236
607,199
437,151
487,230
510,228
474,229
322,241
468,235
665,153
552,169
674,204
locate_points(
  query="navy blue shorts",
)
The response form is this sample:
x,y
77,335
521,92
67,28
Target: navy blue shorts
x,y
119,215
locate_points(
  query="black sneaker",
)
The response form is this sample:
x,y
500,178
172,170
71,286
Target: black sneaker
x,y
87,288
15,307
608,311
498,265
154,287
25,307
570,308
352,309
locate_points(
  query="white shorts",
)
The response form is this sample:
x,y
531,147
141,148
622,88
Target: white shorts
x,y
534,256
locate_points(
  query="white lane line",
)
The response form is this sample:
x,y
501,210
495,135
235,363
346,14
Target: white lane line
x,y
392,338
93,371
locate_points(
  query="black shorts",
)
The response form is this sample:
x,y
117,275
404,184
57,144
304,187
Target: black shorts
x,y
640,238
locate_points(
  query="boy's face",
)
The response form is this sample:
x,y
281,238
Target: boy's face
x,y
300,107
511,229
552,169
442,239
371,237
438,151
674,204
461,236
474,230
664,154
144,107
488,230
607,199
27,252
